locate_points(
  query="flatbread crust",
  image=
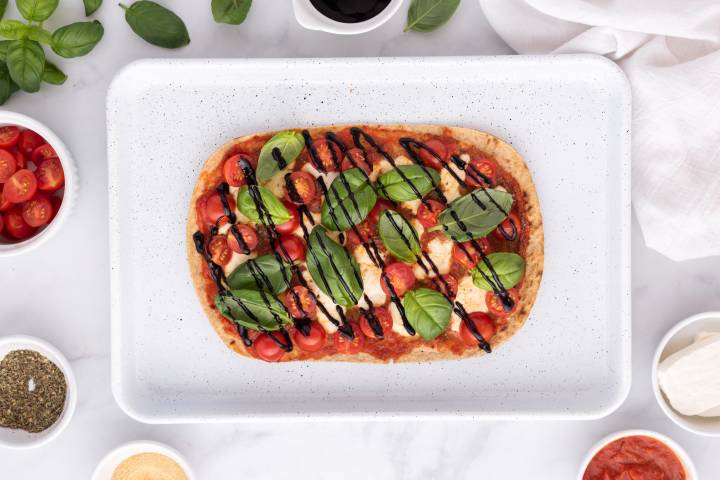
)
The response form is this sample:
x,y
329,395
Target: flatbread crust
x,y
506,157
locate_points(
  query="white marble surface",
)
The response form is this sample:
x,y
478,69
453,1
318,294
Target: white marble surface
x,y
60,293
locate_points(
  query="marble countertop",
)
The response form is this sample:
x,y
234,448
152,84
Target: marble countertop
x,y
60,293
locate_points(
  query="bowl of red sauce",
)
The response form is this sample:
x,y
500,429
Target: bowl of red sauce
x,y
637,454
37,183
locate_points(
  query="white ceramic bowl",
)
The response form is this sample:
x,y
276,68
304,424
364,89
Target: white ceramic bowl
x,y
679,451
12,118
679,337
110,462
310,18
11,438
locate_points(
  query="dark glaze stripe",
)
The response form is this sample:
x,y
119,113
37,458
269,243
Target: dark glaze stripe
x,y
279,159
315,159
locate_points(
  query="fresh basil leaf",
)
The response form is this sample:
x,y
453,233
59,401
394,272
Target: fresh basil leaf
x,y
333,269
77,39
429,15
4,44
53,75
91,6
247,206
13,29
509,267
428,311
290,145
156,24
26,62
3,7
277,273
39,34
232,12
477,221
265,307
37,10
345,206
395,187
399,237
6,84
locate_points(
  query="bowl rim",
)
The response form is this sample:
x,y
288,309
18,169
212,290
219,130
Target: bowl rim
x,y
135,447
309,17
32,343
8,117
676,417
672,444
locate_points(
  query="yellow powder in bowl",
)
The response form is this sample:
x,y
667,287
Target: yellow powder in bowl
x,y
149,466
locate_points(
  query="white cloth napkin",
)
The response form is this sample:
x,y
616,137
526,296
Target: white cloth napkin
x,y
670,51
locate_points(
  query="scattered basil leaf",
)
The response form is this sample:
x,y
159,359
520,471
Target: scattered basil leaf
x,y
26,62
91,6
290,144
333,269
6,84
478,221
247,206
264,306
345,206
395,187
276,272
232,12
428,311
77,39
3,7
403,243
429,15
39,34
53,75
156,24
37,10
509,267
13,29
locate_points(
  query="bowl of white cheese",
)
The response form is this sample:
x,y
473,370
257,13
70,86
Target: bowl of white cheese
x,y
686,374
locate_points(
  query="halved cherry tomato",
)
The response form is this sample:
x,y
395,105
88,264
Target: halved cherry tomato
x,y
20,187
293,223
29,141
20,159
232,169
383,316
9,136
5,204
429,159
8,165
50,175
304,186
37,211
291,248
400,276
249,236
479,171
345,345
484,324
445,284
428,217
495,305
467,255
212,208
355,158
307,306
380,206
324,151
219,250
365,230
43,152
15,226
314,341
266,348
507,230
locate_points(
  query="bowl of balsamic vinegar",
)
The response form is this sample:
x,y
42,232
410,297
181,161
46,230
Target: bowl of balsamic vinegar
x,y
345,17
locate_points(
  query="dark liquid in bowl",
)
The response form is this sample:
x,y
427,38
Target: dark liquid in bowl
x,y
350,11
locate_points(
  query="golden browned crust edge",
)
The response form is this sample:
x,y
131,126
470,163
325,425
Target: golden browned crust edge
x,y
504,154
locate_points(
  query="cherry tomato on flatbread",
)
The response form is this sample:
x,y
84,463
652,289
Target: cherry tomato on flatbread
x,y
29,141
495,305
232,169
212,208
267,349
312,342
37,211
304,187
43,152
15,226
383,317
355,158
509,229
430,160
248,235
219,250
354,239
380,206
484,324
479,171
467,255
9,136
324,151
291,248
293,223
20,187
345,345
400,276
445,284
307,306
50,175
8,165
428,216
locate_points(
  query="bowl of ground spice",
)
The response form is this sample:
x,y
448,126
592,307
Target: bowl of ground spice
x,y
143,460
37,392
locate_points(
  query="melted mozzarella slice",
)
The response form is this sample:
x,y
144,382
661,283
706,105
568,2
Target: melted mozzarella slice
x,y
448,184
471,297
439,250
397,320
237,260
370,274
327,177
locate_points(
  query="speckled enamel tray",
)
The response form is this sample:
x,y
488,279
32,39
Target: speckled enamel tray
x,y
569,116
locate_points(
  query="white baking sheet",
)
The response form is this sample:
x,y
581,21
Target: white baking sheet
x,y
569,116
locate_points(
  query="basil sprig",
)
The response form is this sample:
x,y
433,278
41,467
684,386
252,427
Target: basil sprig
x,y
232,12
509,267
156,24
26,63
277,273
91,6
290,145
399,237
272,205
429,15
333,269
347,206
478,221
395,186
265,307
428,311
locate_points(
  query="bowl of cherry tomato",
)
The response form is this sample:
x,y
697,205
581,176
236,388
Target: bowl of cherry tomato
x,y
37,183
